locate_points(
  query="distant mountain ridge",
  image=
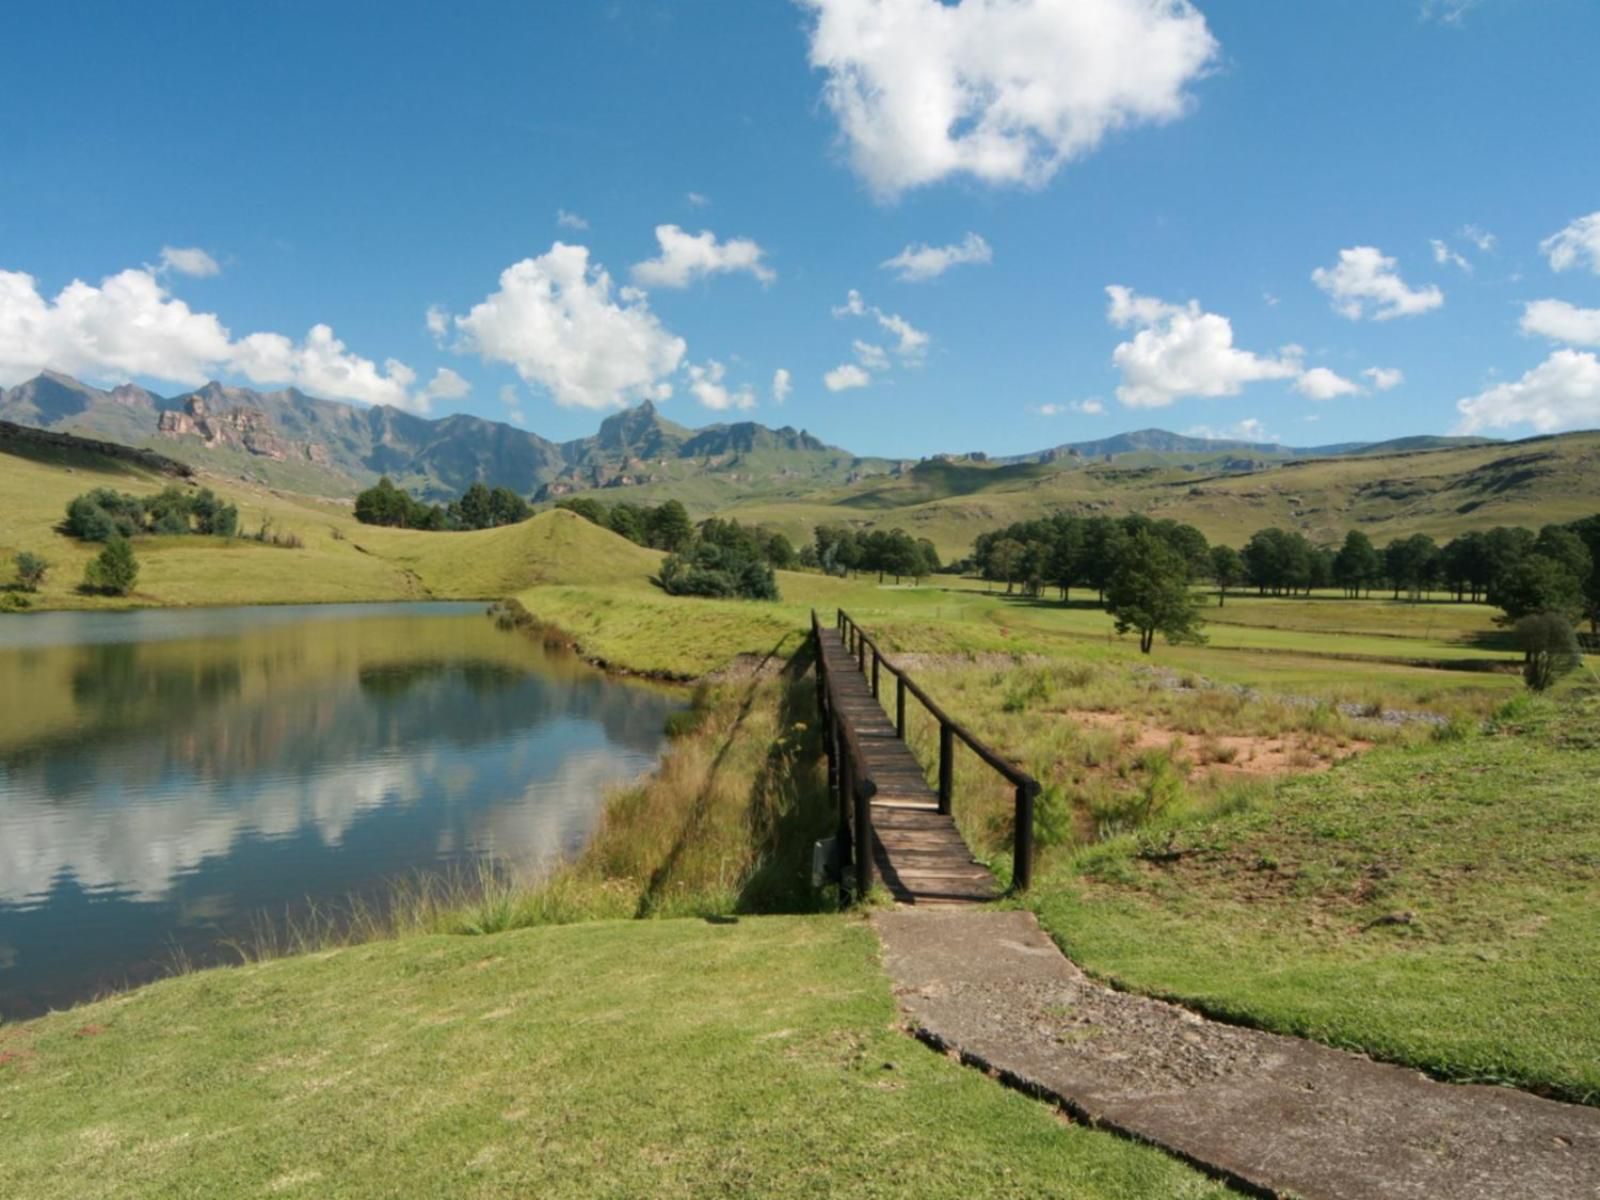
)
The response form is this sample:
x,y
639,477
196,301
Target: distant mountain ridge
x,y
290,439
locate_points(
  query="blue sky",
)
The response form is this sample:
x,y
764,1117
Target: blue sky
x,y
349,170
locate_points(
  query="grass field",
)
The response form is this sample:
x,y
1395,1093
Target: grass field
x,y
1435,904
665,1058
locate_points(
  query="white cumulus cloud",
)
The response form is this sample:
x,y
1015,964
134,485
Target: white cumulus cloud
x,y
1319,383
1562,322
1006,91
707,386
1562,392
570,220
686,257
1365,283
844,377
1179,350
189,260
130,325
555,320
921,262
1575,246
782,385
1384,378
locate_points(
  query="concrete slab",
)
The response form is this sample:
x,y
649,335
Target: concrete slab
x,y
1279,1115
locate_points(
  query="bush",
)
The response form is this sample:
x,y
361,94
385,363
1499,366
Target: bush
x,y
102,514
709,569
1549,648
31,570
114,571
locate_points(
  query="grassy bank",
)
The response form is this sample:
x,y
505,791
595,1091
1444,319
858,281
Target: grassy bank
x,y
671,1058
1435,904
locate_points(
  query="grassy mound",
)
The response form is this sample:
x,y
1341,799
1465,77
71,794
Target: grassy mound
x,y
661,1058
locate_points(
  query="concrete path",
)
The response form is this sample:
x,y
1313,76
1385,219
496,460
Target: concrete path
x,y
1276,1114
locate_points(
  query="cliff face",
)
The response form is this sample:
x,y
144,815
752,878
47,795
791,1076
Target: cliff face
x,y
239,428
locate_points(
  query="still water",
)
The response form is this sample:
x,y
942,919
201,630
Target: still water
x,y
168,777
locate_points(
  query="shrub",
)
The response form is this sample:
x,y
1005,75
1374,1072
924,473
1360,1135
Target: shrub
x,y
31,570
709,569
1549,648
114,571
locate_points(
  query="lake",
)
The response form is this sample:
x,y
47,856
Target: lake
x,y
169,777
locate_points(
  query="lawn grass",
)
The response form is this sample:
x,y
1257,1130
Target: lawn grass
x,y
1436,904
665,1058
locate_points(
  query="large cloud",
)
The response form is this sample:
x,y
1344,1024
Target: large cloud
x,y
1575,246
555,320
131,326
686,257
1562,322
1365,283
1180,351
1003,90
1562,392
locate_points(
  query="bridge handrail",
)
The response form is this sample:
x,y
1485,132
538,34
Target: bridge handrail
x,y
857,642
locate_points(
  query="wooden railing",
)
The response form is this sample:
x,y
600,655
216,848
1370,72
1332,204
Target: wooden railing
x,y
847,778
1025,787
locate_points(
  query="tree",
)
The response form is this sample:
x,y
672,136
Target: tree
x,y
1549,648
1536,584
508,507
115,570
1227,568
31,570
590,510
626,520
1004,561
668,526
710,568
1589,530
1149,592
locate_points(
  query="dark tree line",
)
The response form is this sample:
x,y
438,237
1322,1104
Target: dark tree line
x,y
837,550
1556,570
479,507
664,526
104,513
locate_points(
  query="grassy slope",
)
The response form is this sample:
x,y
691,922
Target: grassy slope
x,y
1491,844
1441,493
341,559
668,1058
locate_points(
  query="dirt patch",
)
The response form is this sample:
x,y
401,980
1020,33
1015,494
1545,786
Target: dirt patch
x,y
1225,754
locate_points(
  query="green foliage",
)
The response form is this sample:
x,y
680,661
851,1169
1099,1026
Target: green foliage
x,y
31,571
104,513
1149,593
115,571
727,570
1549,648
1536,583
1052,818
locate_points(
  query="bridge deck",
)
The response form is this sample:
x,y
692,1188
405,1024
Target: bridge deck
x,y
917,850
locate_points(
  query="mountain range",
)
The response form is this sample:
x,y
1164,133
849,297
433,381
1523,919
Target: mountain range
x,y
289,439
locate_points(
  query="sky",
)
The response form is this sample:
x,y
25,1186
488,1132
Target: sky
x,y
906,226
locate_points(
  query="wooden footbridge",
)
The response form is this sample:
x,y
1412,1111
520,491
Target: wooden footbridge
x,y
893,825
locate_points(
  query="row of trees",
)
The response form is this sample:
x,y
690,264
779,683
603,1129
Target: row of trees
x,y
837,550
479,507
664,526
1519,571
725,559
104,513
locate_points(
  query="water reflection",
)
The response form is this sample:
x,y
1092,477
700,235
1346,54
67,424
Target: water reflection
x,y
162,791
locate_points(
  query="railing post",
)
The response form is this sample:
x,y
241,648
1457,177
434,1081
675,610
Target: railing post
x,y
1022,853
861,652
863,846
875,662
947,766
900,707
846,786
